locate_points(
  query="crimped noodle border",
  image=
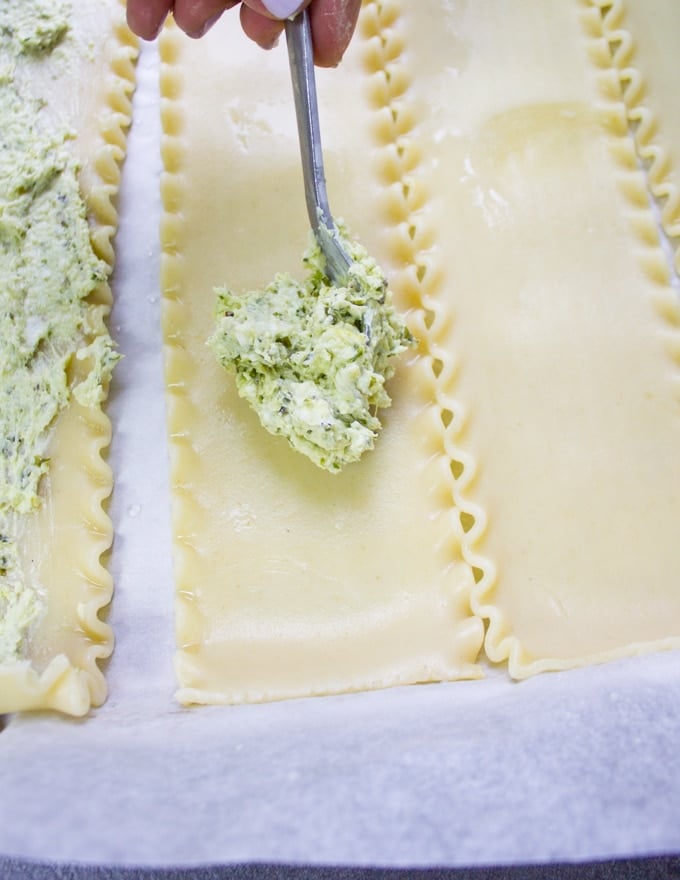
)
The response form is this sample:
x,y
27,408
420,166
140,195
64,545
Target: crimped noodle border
x,y
500,644
62,686
662,176
419,283
179,368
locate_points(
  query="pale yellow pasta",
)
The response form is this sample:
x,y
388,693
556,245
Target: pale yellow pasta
x,y
86,84
565,331
528,469
291,581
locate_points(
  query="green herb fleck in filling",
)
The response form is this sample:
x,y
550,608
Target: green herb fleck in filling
x,y
312,359
34,26
47,271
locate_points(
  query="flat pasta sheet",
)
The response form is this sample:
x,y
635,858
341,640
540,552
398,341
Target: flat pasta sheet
x,y
85,83
564,323
292,581
527,477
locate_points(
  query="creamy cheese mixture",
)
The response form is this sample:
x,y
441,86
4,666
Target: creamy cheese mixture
x,y
312,358
47,271
34,26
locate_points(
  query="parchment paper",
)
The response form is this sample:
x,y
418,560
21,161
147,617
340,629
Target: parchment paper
x,y
570,766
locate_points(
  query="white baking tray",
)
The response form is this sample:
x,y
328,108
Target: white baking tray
x,y
573,766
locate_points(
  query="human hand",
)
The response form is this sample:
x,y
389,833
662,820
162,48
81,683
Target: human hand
x,y
332,21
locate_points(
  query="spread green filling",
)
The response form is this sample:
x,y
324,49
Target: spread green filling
x,y
34,26
312,358
47,271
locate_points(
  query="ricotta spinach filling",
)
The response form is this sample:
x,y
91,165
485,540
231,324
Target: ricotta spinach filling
x,y
33,27
312,358
53,346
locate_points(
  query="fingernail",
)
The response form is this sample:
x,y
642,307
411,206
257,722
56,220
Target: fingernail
x,y
281,8
205,27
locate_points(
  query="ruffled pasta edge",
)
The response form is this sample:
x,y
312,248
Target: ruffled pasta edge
x,y
500,644
63,686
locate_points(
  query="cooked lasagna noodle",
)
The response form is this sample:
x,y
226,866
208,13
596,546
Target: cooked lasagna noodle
x,y
528,468
65,78
291,580
564,326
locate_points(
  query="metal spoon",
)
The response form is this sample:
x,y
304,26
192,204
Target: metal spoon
x,y
300,54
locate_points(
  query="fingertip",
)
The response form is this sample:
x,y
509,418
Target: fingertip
x,y
333,24
204,27
145,20
322,58
266,32
197,17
